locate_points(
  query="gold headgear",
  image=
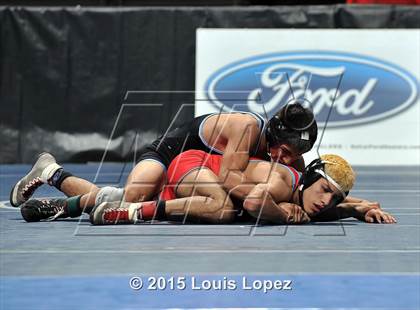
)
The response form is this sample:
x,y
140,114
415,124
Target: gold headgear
x,y
338,171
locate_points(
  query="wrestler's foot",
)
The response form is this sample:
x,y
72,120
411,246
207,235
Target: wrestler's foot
x,y
43,169
35,210
108,213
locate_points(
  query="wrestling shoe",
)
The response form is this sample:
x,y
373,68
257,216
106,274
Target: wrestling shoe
x,y
43,169
108,213
35,210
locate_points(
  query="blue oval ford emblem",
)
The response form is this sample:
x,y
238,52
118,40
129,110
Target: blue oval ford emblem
x,y
361,89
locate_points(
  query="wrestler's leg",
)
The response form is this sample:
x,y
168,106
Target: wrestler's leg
x,y
144,181
35,210
203,199
46,171
74,186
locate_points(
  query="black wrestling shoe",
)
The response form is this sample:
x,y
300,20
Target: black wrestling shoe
x,y
35,210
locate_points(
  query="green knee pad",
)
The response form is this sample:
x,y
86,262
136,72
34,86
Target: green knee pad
x,y
73,206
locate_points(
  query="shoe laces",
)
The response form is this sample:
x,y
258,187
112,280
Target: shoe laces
x,y
116,215
54,217
51,209
29,189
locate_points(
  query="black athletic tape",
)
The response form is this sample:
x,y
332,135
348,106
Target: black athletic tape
x,y
161,210
64,175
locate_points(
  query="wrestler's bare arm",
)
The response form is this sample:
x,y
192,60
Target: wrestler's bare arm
x,y
362,202
261,204
241,136
263,175
273,177
363,212
270,198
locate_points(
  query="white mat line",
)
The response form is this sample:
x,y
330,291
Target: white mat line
x,y
171,251
405,214
398,208
238,273
3,206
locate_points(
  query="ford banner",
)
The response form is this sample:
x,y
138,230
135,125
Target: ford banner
x,y
362,85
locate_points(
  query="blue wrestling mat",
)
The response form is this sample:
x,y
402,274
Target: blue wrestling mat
x,y
69,264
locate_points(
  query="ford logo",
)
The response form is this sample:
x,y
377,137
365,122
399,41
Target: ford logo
x,y
360,89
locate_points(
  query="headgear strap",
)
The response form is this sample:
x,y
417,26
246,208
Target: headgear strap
x,y
332,181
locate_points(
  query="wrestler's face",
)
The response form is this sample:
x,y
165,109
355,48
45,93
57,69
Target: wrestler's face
x,y
319,196
284,154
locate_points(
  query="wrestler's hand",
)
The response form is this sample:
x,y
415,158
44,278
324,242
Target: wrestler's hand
x,y
379,216
370,204
294,214
366,205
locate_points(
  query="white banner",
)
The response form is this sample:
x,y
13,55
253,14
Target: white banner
x,y
364,82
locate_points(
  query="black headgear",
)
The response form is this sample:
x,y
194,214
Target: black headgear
x,y
274,130
280,127
310,175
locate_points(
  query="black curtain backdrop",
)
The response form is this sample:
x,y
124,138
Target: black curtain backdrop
x,y
65,72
